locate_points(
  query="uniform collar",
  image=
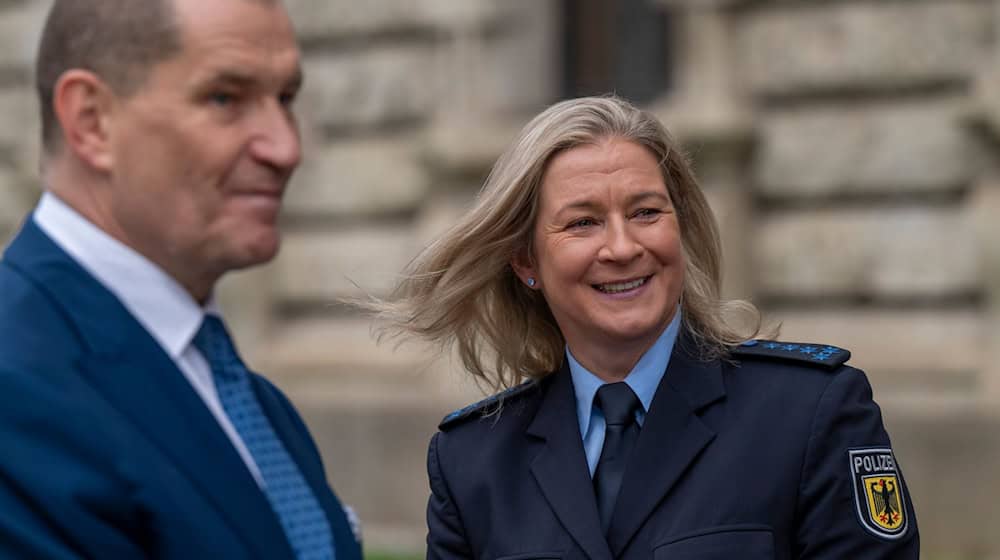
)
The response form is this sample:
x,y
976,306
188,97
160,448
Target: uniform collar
x,y
160,304
643,379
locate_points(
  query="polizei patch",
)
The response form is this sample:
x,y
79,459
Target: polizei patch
x,y
878,493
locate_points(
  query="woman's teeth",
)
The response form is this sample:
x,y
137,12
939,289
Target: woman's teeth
x,y
618,287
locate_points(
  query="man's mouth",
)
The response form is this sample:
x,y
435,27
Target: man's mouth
x,y
619,287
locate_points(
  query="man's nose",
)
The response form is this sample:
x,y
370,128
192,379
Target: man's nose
x,y
276,138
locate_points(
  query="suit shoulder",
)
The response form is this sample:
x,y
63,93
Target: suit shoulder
x,y
821,356
487,405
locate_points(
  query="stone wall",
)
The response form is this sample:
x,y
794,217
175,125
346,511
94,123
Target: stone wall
x,y
857,142
847,146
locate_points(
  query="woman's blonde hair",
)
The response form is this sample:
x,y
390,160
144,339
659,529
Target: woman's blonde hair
x,y
462,290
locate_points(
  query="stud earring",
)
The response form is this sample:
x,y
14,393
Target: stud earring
x,y
531,282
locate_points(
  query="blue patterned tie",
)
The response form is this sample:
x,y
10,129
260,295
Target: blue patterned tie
x,y
301,516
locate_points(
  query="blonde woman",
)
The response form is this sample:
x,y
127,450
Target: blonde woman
x,y
636,421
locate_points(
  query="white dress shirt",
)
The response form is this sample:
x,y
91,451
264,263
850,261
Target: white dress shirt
x,y
166,310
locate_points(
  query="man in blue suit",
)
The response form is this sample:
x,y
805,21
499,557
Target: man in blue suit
x,y
130,427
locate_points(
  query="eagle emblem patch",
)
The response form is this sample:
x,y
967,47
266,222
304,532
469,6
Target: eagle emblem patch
x,y
878,493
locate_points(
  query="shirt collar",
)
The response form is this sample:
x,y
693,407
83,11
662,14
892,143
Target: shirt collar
x,y
643,379
152,296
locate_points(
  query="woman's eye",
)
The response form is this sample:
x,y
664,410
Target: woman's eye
x,y
647,213
581,223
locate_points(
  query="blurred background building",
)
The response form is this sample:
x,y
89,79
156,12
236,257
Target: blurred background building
x,y
849,148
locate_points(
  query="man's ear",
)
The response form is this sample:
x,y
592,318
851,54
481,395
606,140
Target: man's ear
x,y
524,267
83,102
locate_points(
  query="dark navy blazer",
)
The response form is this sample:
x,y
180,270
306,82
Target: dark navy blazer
x,y
744,459
106,451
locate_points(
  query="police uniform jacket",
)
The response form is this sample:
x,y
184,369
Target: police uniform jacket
x,y
776,453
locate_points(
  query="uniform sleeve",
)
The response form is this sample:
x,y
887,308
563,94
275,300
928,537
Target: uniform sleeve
x,y
853,502
445,535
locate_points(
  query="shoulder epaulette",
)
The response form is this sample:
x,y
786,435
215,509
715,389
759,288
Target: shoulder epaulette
x,y
822,355
472,409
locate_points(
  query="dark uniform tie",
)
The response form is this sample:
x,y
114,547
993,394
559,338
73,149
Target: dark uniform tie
x,y
292,499
619,404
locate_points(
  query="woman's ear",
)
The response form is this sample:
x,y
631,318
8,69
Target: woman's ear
x,y
524,267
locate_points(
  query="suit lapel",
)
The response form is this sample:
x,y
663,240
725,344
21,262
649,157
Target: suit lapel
x,y
671,439
560,467
149,391
134,374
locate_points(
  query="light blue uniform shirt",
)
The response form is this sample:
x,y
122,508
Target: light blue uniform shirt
x,y
643,380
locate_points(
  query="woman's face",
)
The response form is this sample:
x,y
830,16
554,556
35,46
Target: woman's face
x,y
607,250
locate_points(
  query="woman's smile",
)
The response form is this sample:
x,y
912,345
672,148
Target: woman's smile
x,y
623,288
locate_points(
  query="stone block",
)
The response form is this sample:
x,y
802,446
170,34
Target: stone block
x,y
10,201
16,200
469,146
902,350
321,267
867,149
985,204
20,136
369,88
246,298
862,45
20,30
340,347
731,208
887,253
334,18
521,66
950,462
444,209
325,18
361,177
467,15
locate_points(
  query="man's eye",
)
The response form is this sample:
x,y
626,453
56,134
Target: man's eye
x,y
287,99
222,99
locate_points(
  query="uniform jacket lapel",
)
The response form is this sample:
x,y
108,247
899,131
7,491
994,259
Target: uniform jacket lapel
x,y
129,368
560,467
671,439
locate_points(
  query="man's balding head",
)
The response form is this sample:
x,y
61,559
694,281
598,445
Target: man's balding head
x,y
118,40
